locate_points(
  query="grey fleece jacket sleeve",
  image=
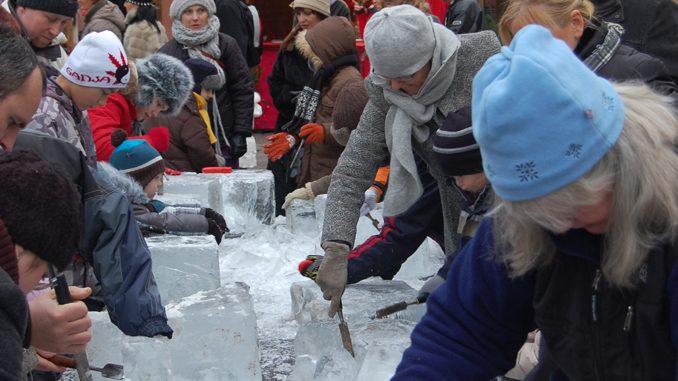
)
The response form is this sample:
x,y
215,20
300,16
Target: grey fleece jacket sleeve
x,y
196,223
355,172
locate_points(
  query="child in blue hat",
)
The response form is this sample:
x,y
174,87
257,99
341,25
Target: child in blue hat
x,y
136,169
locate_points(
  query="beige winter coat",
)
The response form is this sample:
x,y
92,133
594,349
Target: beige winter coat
x,y
141,38
104,15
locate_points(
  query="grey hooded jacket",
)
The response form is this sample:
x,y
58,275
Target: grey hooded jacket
x,y
367,147
112,242
171,219
57,116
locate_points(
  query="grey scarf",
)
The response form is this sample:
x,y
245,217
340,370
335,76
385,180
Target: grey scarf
x,y
406,118
205,40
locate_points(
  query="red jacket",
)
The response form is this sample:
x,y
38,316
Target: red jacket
x,y
118,113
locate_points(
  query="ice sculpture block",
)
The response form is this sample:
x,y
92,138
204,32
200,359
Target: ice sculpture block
x,y
184,265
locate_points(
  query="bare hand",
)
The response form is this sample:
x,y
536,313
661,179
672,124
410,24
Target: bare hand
x,y
60,328
44,364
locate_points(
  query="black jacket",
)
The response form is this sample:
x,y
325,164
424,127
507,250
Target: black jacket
x,y
112,242
650,26
291,72
465,16
236,99
599,332
626,63
13,324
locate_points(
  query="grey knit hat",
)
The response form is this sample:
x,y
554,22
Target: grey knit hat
x,y
320,6
61,7
165,77
399,41
179,6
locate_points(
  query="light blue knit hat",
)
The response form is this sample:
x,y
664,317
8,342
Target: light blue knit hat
x,y
541,117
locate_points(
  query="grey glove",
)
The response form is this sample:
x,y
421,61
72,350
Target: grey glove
x,y
332,273
431,285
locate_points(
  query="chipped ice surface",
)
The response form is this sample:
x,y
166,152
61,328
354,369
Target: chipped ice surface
x,y
248,199
147,359
184,265
301,218
360,300
380,363
206,187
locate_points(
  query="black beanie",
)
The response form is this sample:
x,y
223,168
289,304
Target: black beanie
x,y
61,7
456,150
40,207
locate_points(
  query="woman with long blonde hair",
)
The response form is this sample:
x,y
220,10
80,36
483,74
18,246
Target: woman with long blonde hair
x,y
582,243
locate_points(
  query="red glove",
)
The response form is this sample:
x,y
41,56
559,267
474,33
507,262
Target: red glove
x,y
314,133
172,172
281,143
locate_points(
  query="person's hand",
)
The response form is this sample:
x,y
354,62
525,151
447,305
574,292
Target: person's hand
x,y
280,144
218,218
239,146
357,7
295,96
214,229
44,364
60,328
297,194
313,132
431,285
332,273
371,198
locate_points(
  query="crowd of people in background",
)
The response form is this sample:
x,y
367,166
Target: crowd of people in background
x,y
541,156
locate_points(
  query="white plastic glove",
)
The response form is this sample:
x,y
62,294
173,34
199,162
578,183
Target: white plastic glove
x,y
370,203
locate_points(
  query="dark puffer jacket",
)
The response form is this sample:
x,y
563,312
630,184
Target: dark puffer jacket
x,y
626,63
292,70
650,27
236,99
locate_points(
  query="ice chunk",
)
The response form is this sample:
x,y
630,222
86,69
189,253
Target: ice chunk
x,y
248,199
335,364
206,186
360,300
425,262
304,368
147,358
106,344
316,338
184,265
320,204
249,159
380,363
180,199
301,218
364,230
215,336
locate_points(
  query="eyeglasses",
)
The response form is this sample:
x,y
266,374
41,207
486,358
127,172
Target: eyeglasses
x,y
399,79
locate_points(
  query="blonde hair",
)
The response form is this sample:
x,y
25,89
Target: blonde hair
x,y
421,4
640,171
547,13
131,91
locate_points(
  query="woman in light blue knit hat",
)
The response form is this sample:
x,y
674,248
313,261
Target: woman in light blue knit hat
x,y
580,244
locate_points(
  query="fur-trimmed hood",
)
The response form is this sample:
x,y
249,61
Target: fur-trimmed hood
x,y
304,48
125,184
165,77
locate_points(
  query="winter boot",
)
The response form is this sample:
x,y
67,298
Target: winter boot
x,y
309,267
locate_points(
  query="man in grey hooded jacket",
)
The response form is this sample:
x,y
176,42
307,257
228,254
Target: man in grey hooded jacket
x,y
421,72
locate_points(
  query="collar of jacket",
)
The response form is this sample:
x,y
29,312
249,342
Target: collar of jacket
x,y
53,90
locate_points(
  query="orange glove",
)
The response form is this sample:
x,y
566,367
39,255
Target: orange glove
x,y
281,143
314,133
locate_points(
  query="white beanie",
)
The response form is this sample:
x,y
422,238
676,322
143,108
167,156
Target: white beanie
x,y
98,60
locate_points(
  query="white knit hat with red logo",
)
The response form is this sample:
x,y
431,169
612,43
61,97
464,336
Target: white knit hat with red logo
x,y
98,60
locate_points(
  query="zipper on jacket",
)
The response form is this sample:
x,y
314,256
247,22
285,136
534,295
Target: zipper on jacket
x,y
596,333
629,317
594,295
